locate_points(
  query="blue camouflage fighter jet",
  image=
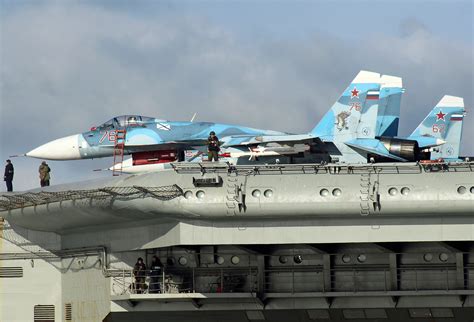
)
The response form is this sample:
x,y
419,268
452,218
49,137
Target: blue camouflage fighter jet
x,y
351,131
353,116
142,134
441,130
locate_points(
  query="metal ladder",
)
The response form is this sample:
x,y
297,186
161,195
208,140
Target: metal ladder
x,y
365,194
232,194
118,151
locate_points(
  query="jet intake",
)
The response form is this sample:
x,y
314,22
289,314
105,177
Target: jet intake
x,y
406,149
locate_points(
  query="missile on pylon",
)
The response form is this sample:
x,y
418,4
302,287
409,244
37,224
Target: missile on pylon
x,y
264,151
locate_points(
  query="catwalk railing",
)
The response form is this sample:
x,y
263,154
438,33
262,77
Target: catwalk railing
x,y
192,280
410,280
363,280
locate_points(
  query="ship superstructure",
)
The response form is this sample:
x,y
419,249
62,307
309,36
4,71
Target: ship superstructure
x,y
308,242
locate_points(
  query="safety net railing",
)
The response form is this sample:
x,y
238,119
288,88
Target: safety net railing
x,y
31,199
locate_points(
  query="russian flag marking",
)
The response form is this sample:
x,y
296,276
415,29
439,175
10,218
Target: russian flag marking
x,y
456,117
372,95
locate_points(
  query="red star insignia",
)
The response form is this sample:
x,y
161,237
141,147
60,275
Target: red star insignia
x,y
440,116
355,93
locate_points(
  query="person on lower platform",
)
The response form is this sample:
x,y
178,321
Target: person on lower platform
x,y
156,275
139,271
213,147
8,176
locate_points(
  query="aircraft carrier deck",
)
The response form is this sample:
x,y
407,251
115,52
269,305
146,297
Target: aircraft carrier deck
x,y
378,242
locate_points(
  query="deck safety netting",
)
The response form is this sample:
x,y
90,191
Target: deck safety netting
x,y
29,199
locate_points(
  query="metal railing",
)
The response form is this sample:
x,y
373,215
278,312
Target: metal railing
x,y
324,168
368,280
191,280
316,280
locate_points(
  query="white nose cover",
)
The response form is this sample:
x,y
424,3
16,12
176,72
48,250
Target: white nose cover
x,y
66,148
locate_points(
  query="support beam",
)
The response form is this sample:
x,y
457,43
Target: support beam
x,y
260,275
259,301
393,261
195,303
460,278
249,249
316,249
327,274
384,248
453,247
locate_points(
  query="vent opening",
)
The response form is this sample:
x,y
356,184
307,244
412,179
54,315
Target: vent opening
x,y
44,313
68,312
11,272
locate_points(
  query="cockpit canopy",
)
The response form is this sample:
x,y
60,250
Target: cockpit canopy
x,y
126,121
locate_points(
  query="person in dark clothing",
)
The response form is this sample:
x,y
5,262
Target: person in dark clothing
x,y
213,147
156,275
139,271
8,176
44,174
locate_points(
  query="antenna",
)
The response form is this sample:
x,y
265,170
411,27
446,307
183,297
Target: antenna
x,y
194,116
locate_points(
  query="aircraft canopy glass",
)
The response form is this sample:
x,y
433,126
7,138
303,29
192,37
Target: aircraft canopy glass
x,y
126,121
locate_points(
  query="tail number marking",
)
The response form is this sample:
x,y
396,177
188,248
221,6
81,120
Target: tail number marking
x,y
438,128
111,136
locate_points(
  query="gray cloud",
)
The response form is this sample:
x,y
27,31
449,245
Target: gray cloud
x,y
412,25
66,68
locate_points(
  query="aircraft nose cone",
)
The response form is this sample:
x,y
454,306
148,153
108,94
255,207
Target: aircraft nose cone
x,y
66,148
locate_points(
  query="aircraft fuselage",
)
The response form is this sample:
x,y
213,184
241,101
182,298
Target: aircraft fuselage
x,y
142,134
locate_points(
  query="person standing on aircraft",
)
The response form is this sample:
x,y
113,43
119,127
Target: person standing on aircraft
x,y
8,176
213,147
44,175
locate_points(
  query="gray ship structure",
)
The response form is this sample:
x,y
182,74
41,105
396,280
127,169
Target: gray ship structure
x,y
294,242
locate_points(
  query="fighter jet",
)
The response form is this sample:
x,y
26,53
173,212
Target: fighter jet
x,y
140,135
442,128
349,132
354,116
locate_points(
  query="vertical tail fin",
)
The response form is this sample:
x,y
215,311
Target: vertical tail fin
x,y
391,91
342,120
443,126
356,114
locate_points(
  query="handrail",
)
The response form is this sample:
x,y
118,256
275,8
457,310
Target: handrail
x,y
192,280
323,168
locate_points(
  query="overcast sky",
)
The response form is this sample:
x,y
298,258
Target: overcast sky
x,y
68,65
